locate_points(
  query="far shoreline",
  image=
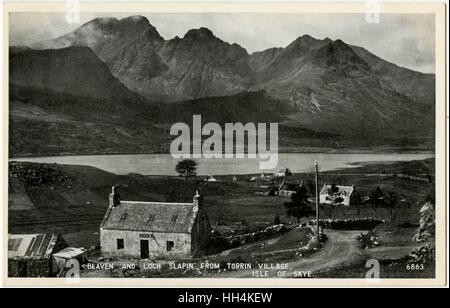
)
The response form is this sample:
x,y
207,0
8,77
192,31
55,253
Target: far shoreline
x,y
304,151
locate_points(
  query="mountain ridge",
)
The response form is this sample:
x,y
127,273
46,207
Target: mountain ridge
x,y
200,64
324,88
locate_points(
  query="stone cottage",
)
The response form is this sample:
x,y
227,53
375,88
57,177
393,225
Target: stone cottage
x,y
157,230
287,189
31,255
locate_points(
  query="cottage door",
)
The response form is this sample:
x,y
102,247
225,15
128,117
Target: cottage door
x,y
144,249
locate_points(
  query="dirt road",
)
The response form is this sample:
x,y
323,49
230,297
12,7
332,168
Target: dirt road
x,y
341,248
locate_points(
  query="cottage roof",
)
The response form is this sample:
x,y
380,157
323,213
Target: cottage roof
x,y
347,190
151,217
31,245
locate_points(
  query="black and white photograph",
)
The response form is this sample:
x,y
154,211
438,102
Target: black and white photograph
x,y
225,143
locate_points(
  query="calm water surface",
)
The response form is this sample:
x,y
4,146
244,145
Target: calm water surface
x,y
164,164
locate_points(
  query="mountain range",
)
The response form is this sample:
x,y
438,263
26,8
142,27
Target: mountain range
x,y
338,94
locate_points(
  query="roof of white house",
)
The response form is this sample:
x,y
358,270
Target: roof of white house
x,y
347,190
151,217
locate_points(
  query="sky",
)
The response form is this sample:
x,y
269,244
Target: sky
x,y
407,40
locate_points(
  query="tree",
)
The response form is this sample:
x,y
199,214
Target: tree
x,y
430,195
391,202
187,168
376,198
336,202
356,201
277,220
333,189
298,206
334,198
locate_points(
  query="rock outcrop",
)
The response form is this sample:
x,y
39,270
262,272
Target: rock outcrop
x,y
427,227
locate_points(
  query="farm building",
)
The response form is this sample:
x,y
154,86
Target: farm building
x,y
61,258
287,189
337,195
31,255
283,172
142,230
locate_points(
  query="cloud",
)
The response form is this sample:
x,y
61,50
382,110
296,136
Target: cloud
x,y
407,40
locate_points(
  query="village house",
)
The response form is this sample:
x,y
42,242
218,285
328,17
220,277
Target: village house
x,y
283,172
337,195
161,230
287,189
31,255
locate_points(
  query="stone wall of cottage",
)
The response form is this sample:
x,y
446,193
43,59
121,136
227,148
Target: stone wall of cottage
x,y
38,267
157,243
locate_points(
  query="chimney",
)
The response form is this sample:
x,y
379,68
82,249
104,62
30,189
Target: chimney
x,y
114,198
198,201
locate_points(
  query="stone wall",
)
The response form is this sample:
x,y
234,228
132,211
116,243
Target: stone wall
x,y
157,243
40,267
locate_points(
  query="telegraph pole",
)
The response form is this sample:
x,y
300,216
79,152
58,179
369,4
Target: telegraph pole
x,y
317,201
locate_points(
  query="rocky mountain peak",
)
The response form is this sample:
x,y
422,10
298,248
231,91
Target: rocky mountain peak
x,y
202,34
337,53
133,25
303,43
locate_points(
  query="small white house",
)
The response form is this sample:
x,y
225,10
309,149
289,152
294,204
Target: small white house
x,y
337,195
211,179
283,172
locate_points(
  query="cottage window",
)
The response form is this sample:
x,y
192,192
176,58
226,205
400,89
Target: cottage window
x,y
170,245
120,243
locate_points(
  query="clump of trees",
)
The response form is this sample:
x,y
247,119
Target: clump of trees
x,y
298,206
376,199
335,200
388,200
391,203
187,168
277,220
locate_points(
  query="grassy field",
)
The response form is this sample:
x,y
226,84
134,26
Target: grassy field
x,y
72,200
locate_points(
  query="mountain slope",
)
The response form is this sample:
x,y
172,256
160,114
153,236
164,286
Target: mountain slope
x,y
197,65
416,85
71,70
326,88
201,65
67,101
333,89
